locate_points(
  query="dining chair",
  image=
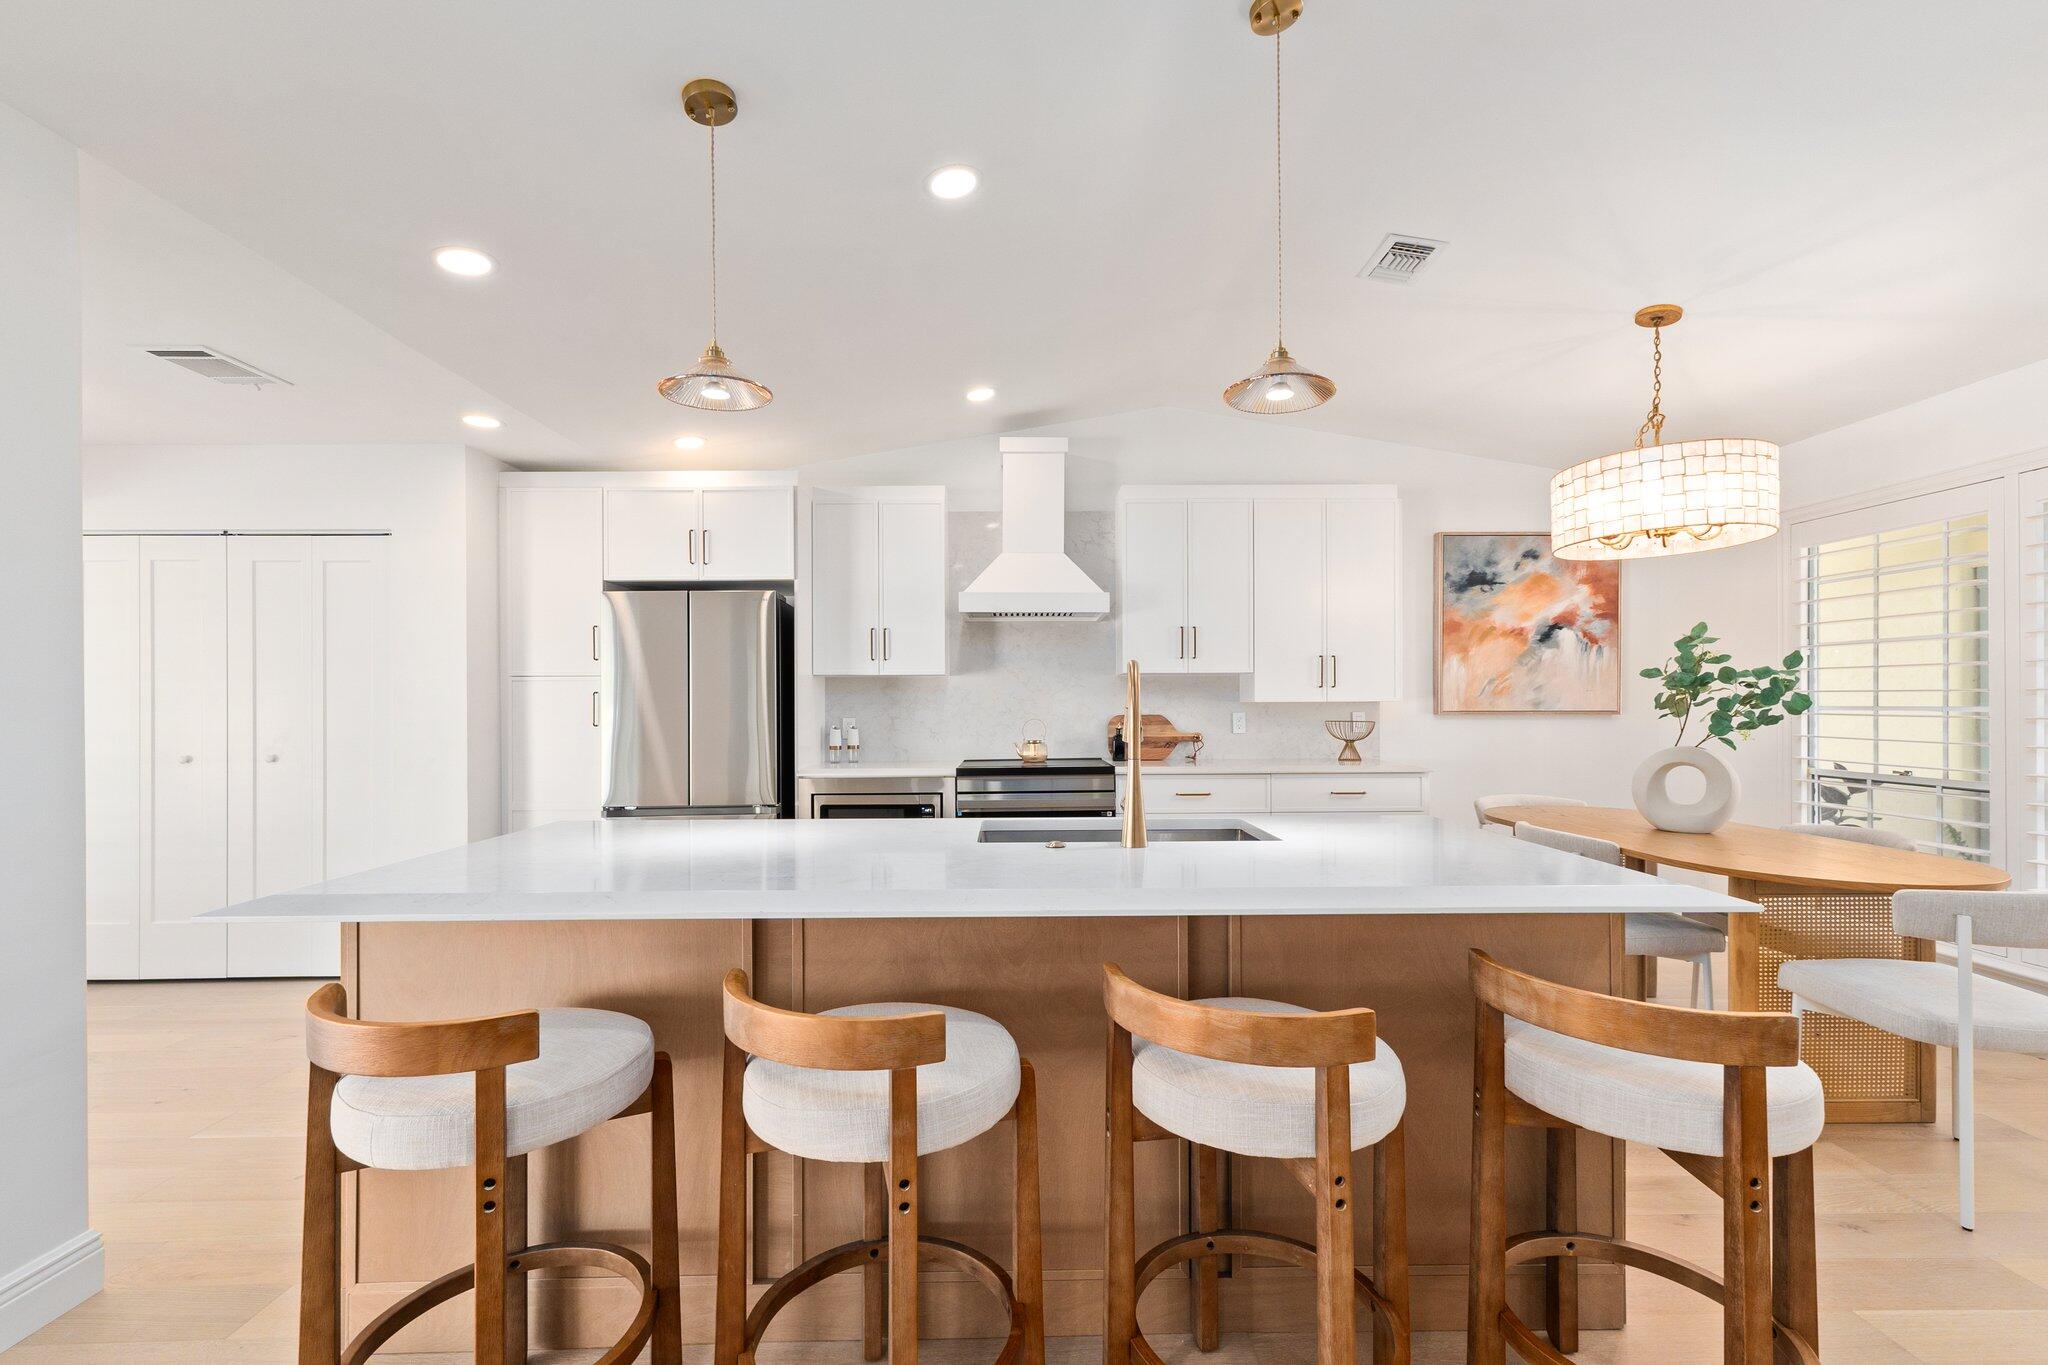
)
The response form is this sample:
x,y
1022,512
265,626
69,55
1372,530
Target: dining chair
x,y
1486,803
1644,934
1939,1003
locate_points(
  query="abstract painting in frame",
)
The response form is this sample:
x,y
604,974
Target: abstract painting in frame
x,y
1519,632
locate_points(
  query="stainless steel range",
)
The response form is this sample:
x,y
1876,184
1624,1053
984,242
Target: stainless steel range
x,y
1006,788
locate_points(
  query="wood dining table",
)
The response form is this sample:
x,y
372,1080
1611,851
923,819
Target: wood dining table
x,y
1818,898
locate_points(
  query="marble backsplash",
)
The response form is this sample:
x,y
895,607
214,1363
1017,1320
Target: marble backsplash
x,y
1063,673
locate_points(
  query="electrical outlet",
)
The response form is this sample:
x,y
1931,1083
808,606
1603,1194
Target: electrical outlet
x,y
1237,722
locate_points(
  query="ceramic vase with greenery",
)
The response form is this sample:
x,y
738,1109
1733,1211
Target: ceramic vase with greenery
x,y
1701,686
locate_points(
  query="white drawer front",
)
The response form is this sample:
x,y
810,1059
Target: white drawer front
x,y
1338,792
1223,792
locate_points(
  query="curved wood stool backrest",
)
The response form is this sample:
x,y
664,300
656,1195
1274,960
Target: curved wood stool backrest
x,y
338,1046
1761,1319
897,1044
1329,1042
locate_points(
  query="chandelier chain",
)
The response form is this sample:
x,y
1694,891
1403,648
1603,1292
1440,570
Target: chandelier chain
x,y
714,234
1279,216
1653,424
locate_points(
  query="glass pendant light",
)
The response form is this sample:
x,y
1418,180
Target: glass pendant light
x,y
1281,384
1665,499
712,384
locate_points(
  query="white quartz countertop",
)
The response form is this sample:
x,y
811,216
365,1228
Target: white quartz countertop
x,y
877,869
936,768
853,772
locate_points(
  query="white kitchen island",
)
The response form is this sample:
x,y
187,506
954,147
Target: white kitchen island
x,y
646,916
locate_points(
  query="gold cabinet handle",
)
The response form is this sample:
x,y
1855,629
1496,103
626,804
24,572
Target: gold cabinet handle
x,y
1319,671
1195,635
707,545
1192,793
593,708
885,644
1351,793
1333,670
1183,642
693,545
871,644
593,642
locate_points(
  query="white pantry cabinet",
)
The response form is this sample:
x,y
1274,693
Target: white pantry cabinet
x,y
1326,575
552,554
1186,564
876,586
675,535
236,708
554,750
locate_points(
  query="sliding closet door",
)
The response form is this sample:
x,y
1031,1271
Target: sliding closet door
x,y
113,757
183,676
304,705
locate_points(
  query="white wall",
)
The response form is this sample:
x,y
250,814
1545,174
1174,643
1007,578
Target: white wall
x,y
1993,419
1590,757
443,719
49,1258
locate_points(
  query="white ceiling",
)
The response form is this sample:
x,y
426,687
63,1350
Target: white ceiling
x,y
1847,200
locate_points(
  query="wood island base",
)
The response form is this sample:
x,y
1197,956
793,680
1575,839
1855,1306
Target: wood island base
x,y
1042,979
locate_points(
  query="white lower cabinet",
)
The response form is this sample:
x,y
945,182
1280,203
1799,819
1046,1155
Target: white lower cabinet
x,y
1223,793
554,752
1344,792
235,703
1182,791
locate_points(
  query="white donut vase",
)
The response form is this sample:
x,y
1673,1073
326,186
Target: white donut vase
x,y
1652,790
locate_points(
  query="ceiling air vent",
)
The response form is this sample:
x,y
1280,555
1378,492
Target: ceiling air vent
x,y
211,364
1400,258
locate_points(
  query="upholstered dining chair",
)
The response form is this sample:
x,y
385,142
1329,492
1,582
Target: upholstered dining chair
x,y
1939,1003
1486,803
1678,937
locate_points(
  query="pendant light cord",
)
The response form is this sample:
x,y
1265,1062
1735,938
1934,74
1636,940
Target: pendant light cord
x,y
1279,217
714,234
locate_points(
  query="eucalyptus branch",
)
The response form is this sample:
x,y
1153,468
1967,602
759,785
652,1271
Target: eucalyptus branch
x,y
1738,702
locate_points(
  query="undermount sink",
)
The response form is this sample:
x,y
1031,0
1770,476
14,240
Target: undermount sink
x,y
1234,832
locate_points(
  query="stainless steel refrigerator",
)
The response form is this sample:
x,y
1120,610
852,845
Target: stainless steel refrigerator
x,y
699,687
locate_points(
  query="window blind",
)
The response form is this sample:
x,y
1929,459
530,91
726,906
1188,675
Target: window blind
x,y
1896,628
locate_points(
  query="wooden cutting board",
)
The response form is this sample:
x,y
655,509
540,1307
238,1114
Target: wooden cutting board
x,y
1162,736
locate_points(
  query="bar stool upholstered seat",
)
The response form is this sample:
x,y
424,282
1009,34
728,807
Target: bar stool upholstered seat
x,y
844,1115
1657,1101
592,1064
1258,1110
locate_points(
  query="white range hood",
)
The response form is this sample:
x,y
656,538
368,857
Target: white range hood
x,y
1033,577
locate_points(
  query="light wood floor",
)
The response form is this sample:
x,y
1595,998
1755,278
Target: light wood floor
x,y
197,1100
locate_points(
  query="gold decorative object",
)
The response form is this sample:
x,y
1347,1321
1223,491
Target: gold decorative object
x,y
1351,732
1134,786
1032,748
1658,499
1281,384
712,384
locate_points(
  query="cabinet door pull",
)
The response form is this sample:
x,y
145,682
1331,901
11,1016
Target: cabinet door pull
x,y
707,545
1183,642
885,644
593,708
871,644
693,545
1191,793
1333,670
1336,793
593,642
1195,635
1319,671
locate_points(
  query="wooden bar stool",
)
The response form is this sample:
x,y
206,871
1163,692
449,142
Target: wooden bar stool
x,y
880,1085
1266,1079
1724,1095
396,1097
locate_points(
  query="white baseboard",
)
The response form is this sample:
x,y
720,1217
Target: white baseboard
x,y
50,1286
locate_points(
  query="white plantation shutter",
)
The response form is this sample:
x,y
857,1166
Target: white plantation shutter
x,y
2030,848
1896,619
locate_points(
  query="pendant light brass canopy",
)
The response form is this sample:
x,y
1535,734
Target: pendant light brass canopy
x,y
712,384
1281,384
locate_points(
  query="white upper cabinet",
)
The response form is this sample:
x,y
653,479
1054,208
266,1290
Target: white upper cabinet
x,y
650,535
552,551
913,587
1186,565
1326,569
676,535
876,588
747,533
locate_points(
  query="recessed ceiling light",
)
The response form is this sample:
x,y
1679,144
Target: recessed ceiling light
x,y
980,393
482,421
953,182
689,443
466,261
